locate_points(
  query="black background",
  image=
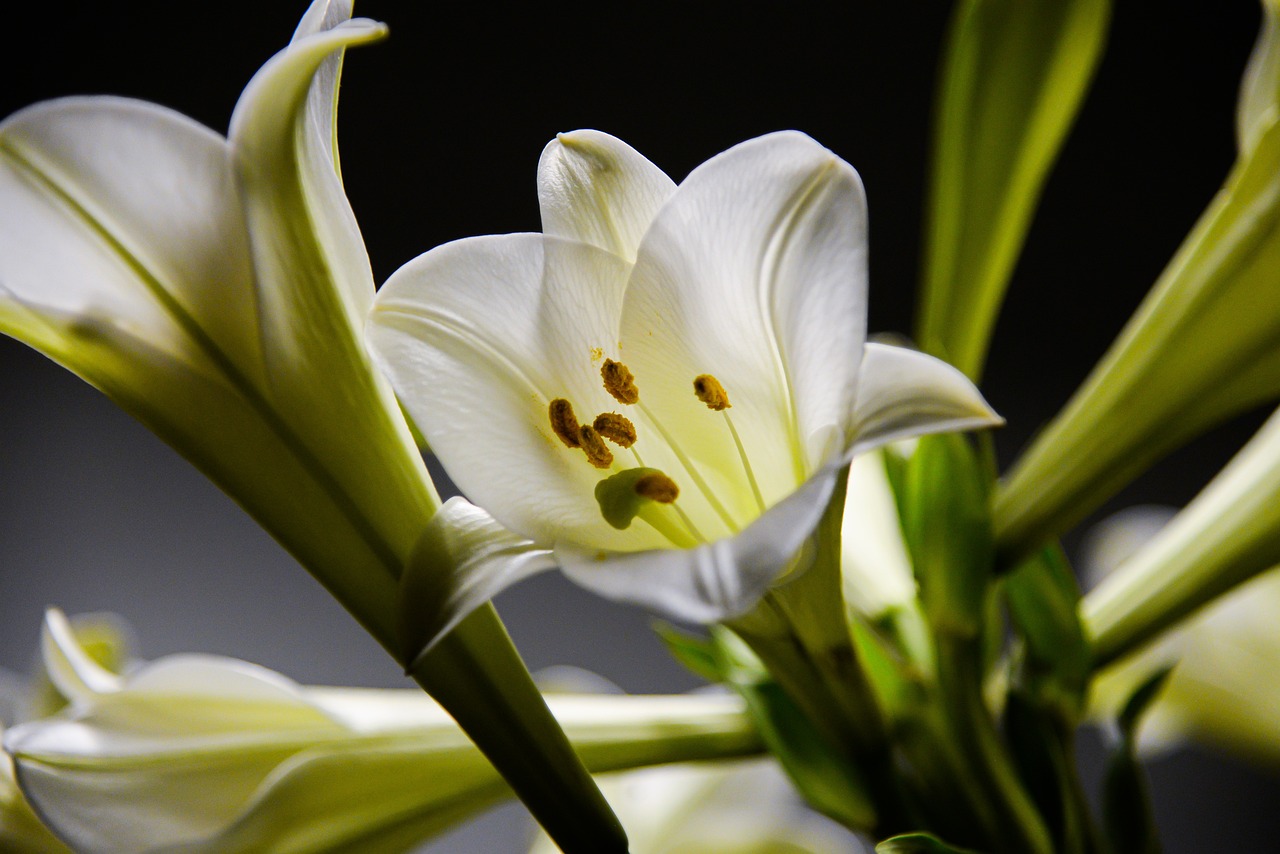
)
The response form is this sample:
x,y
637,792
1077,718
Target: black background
x,y
441,127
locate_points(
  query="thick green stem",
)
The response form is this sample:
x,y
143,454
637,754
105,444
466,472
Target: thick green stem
x,y
476,673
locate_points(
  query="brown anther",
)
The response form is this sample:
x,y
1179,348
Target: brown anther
x,y
616,428
656,486
710,392
564,422
598,453
619,382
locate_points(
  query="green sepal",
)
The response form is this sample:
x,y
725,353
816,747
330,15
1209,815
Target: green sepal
x,y
947,523
697,654
1013,75
476,673
830,784
1043,598
919,843
1126,800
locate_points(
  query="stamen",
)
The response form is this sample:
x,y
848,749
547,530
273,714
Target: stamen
x,y
616,428
689,467
656,486
564,423
619,382
598,454
746,464
710,392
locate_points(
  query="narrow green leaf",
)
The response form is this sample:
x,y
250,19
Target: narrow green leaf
x,y
1013,76
1200,349
1126,800
919,843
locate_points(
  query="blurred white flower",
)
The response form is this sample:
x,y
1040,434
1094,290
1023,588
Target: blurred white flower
x,y
726,808
201,753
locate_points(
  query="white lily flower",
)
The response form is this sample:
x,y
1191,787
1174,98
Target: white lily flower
x,y
726,808
202,753
658,392
216,289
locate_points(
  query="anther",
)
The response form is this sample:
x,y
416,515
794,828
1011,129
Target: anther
x,y
598,454
564,422
656,486
619,382
710,392
616,428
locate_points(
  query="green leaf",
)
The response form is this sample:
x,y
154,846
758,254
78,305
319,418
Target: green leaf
x,y
1229,533
919,843
697,654
1200,349
948,530
1043,599
1126,800
1013,75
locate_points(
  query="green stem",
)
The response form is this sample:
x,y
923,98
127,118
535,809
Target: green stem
x,y
1016,826
476,673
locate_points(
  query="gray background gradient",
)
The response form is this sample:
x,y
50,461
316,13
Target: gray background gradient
x,y
441,127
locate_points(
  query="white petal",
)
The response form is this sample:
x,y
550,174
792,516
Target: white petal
x,y
465,558
755,271
322,15
875,568
71,670
713,582
125,214
282,135
478,336
904,393
314,289
594,188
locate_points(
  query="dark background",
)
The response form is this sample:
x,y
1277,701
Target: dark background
x,y
441,127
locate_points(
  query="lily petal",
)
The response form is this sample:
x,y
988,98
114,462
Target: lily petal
x,y
478,336
904,393
465,558
875,567
714,582
755,272
594,188
315,284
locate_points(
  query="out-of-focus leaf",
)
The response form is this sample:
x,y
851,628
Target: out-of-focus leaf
x,y
919,843
1043,600
1013,75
